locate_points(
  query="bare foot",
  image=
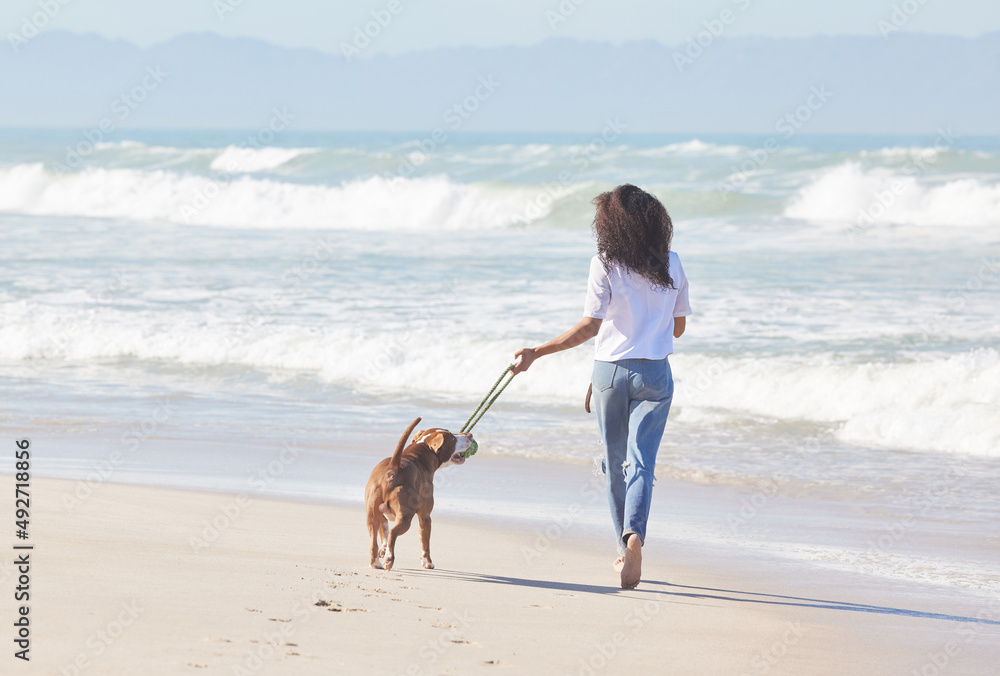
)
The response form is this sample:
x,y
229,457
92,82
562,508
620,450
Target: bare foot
x,y
632,567
618,564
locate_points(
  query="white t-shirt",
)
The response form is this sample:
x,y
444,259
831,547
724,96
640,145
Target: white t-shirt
x,y
638,319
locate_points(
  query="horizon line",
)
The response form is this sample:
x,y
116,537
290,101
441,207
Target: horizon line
x,y
549,39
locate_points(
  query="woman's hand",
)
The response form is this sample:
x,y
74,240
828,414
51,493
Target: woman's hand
x,y
523,359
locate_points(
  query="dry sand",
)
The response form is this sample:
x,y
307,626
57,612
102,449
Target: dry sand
x,y
128,583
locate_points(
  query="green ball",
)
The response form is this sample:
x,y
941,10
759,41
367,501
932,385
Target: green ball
x,y
471,451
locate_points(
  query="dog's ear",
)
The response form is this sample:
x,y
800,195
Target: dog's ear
x,y
435,442
417,435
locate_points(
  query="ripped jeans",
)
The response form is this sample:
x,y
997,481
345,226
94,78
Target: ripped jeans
x,y
632,398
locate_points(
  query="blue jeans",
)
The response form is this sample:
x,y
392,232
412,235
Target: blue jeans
x,y
632,398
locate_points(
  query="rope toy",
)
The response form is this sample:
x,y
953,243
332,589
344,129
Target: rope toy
x,y
484,406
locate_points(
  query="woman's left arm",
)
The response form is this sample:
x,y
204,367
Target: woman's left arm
x,y
584,330
680,323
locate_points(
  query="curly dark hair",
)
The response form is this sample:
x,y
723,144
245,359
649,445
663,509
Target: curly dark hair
x,y
634,229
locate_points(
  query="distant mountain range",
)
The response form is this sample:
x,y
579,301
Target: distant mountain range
x,y
908,83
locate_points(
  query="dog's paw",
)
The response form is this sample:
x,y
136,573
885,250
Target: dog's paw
x,y
387,564
426,563
381,553
377,565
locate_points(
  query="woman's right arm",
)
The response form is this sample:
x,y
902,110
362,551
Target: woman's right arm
x,y
584,330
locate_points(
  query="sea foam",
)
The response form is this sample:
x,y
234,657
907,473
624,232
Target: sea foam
x,y
374,203
849,193
248,160
934,402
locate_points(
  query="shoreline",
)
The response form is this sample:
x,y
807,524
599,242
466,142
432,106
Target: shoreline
x,y
247,600
901,539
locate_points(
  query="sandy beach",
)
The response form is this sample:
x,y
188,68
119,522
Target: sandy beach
x,y
137,580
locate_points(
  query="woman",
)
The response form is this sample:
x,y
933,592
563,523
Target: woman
x,y
637,302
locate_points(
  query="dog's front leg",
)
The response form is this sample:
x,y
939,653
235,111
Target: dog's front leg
x,y
424,523
401,526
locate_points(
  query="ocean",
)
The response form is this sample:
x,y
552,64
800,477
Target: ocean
x,y
171,300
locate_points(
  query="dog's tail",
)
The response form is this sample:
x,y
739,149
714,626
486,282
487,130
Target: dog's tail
x,y
397,455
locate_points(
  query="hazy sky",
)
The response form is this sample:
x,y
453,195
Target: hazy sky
x,y
422,24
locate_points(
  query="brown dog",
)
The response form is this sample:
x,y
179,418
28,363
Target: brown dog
x,y
403,485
